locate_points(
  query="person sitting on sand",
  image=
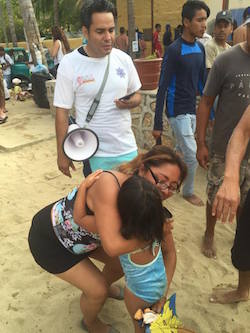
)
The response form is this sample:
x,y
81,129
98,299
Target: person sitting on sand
x,y
225,207
142,217
63,248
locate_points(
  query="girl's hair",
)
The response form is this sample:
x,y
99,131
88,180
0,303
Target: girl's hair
x,y
157,156
141,211
58,33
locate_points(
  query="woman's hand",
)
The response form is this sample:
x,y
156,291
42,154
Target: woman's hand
x,y
91,179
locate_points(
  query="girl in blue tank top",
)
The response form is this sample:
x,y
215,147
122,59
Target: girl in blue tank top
x,y
143,216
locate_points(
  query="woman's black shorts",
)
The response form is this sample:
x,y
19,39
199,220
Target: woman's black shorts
x,y
45,247
240,252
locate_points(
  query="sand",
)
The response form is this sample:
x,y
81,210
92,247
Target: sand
x,y
33,300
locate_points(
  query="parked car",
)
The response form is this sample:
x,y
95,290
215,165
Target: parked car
x,y
21,69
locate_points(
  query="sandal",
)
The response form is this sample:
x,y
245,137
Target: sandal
x,y
111,330
3,120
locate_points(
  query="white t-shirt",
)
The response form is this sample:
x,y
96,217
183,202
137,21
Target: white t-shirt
x,y
3,59
213,50
78,80
59,55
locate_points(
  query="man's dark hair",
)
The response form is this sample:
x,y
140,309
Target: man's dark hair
x,y
246,12
157,25
122,30
95,6
1,49
141,211
191,6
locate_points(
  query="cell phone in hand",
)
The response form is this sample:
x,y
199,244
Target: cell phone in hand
x,y
126,97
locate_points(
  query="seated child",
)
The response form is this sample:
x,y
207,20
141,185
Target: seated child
x,y
143,217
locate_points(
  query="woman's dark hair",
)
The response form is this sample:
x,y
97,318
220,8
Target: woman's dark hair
x,y
157,156
191,6
95,6
141,211
58,33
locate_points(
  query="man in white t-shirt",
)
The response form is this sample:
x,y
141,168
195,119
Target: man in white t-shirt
x,y
79,77
6,62
222,29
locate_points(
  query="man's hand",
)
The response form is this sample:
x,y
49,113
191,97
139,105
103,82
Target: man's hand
x,y
226,201
64,164
156,134
202,155
124,104
132,102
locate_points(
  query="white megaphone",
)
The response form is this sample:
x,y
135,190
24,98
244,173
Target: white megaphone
x,y
80,143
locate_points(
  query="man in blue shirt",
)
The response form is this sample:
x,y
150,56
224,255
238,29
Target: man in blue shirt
x,y
183,74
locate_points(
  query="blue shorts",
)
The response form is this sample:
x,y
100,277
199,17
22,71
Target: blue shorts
x,y
108,163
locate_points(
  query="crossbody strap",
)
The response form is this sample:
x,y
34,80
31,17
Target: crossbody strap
x,y
97,98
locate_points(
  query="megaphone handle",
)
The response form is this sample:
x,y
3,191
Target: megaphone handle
x,y
72,120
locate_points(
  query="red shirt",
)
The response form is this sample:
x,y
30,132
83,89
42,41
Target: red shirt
x,y
157,48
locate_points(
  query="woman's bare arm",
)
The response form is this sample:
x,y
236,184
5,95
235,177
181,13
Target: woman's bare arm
x,y
55,48
104,199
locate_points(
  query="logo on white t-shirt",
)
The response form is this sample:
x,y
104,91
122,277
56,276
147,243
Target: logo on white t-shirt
x,y
85,79
120,72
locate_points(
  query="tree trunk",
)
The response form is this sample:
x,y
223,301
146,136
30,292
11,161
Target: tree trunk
x,y
31,29
131,25
3,25
56,13
11,22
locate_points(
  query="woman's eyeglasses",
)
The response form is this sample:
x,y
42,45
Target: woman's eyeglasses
x,y
174,188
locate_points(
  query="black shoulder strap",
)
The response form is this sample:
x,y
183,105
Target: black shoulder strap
x,y
114,177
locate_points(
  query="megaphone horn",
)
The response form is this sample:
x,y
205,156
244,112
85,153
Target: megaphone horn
x,y
80,143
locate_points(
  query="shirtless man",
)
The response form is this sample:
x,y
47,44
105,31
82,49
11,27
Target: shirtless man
x,y
225,207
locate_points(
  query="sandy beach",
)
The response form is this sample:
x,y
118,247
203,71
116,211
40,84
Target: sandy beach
x,y
34,301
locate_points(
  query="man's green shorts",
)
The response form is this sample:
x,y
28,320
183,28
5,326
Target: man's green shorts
x,y
216,173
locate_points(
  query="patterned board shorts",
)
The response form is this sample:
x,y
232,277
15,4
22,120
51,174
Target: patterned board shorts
x,y
216,173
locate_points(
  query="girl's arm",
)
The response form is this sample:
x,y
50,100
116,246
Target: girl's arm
x,y
169,257
168,250
104,200
55,48
79,213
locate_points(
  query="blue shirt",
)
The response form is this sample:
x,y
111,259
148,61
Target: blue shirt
x,y
183,74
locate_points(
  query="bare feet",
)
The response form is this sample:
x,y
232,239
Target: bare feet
x,y
194,200
116,292
228,297
208,247
98,327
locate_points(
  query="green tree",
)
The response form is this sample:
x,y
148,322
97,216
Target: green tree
x,y
11,22
3,25
31,29
131,25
